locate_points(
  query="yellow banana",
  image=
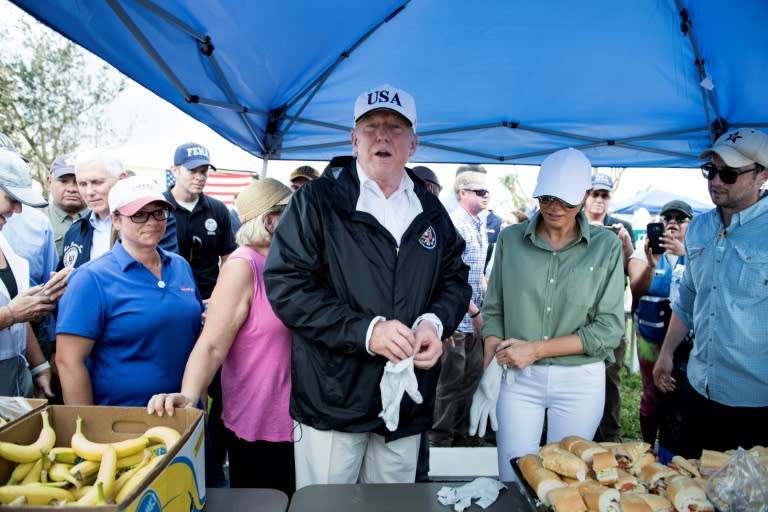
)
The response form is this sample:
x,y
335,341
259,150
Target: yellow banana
x,y
120,482
19,472
79,493
162,434
138,477
30,452
103,489
89,450
86,468
34,474
61,473
63,454
35,494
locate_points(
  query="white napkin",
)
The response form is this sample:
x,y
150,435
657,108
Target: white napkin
x,y
398,379
484,489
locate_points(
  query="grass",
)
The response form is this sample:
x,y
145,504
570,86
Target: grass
x,y
631,386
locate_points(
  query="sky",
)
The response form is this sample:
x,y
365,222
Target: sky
x,y
153,128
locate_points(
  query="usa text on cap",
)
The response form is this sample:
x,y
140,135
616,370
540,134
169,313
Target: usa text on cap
x,y
387,97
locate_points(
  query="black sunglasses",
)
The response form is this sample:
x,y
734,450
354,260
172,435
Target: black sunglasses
x,y
480,192
677,218
547,200
143,217
728,175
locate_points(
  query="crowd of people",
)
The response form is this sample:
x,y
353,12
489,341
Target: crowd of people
x,y
338,327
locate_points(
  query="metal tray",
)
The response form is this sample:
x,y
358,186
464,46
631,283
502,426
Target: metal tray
x,y
528,493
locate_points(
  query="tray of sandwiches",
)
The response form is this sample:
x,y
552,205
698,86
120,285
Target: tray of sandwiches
x,y
578,475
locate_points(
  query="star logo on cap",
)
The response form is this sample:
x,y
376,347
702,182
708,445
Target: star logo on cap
x,y
733,137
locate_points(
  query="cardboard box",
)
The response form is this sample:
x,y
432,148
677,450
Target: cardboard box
x,y
178,484
35,405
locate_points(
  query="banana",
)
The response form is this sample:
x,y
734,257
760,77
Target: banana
x,y
120,482
161,434
19,472
61,473
30,452
34,474
35,494
137,478
63,454
87,468
89,450
103,489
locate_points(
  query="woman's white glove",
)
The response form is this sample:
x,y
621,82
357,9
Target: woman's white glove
x,y
484,400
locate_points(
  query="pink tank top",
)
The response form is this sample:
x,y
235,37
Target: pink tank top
x,y
256,374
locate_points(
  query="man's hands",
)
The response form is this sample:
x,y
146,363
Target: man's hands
x,y
396,341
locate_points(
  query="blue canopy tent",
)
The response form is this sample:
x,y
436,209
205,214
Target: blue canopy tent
x,y
653,200
632,83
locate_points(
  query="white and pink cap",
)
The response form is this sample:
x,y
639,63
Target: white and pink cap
x,y
131,194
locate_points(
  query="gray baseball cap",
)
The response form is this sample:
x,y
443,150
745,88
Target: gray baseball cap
x,y
16,179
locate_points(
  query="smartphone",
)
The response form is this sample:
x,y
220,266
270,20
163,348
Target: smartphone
x,y
654,232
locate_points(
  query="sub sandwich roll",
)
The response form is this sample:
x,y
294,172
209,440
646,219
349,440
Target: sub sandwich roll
x,y
688,496
685,467
633,503
630,452
645,459
565,463
600,499
605,467
567,442
711,461
627,483
656,502
586,450
567,499
656,476
540,479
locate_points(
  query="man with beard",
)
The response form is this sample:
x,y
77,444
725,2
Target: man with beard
x,y
723,297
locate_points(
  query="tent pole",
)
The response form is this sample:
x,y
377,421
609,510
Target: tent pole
x,y
264,162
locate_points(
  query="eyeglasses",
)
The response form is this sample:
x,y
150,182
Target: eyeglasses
x,y
547,200
143,217
677,218
728,175
479,192
600,194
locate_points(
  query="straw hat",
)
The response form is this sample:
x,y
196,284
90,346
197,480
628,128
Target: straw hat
x,y
259,197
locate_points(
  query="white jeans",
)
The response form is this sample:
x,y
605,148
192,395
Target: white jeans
x,y
572,397
333,457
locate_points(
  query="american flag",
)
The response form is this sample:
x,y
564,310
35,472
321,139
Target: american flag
x,y
170,181
224,184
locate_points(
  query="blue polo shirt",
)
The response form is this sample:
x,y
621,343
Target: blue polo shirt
x,y
144,329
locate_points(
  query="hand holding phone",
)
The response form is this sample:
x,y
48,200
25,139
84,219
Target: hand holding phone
x,y
655,230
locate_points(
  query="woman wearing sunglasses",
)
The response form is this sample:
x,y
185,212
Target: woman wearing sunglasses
x,y
129,319
650,277
554,312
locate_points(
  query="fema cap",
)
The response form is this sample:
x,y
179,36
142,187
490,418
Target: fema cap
x,y
741,147
192,155
602,181
131,194
16,179
390,98
564,174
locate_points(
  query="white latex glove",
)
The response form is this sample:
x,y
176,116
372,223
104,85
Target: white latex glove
x,y
398,379
484,490
484,400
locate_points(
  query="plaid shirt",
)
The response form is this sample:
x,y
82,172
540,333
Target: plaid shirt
x,y
473,231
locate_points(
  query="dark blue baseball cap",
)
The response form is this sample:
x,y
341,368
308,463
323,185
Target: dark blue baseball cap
x,y
192,155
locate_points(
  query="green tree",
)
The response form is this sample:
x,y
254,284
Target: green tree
x,y
53,98
512,183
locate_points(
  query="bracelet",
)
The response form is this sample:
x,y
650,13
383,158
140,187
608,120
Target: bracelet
x,y
475,315
37,370
13,317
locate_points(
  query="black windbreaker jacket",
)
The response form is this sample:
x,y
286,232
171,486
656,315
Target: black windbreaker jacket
x,y
331,270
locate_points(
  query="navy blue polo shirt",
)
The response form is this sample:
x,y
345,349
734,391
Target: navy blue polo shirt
x,y
143,329
204,234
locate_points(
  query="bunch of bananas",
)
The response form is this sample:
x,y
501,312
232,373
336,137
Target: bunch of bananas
x,y
84,473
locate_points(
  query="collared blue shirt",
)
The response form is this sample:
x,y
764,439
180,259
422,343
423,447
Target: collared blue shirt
x,y
144,329
31,236
724,297
473,231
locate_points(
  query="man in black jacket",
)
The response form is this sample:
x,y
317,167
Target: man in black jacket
x,y
365,267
